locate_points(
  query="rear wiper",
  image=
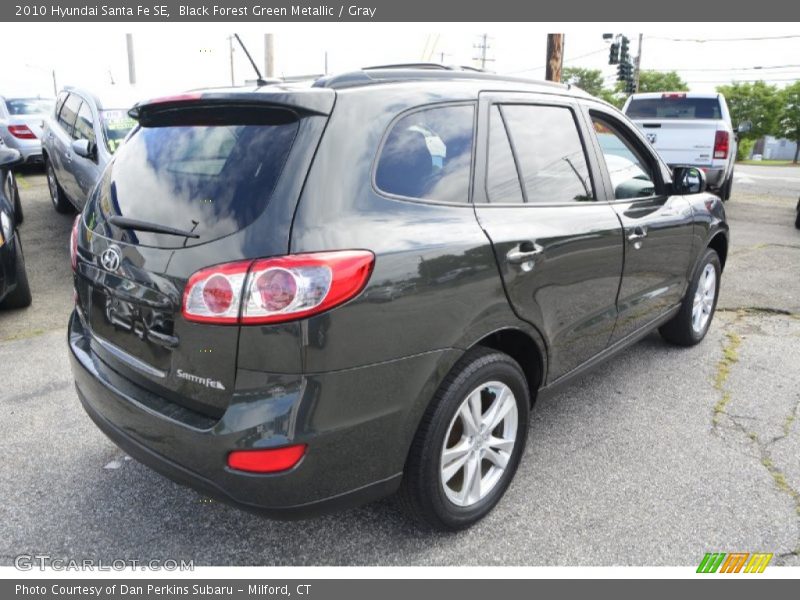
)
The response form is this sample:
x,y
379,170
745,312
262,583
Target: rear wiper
x,y
136,224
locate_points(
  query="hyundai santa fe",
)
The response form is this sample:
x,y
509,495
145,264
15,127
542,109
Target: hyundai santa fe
x,y
298,298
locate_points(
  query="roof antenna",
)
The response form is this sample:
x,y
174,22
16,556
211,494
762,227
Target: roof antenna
x,y
259,80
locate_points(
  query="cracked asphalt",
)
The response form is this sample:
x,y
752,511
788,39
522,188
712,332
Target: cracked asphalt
x,y
655,458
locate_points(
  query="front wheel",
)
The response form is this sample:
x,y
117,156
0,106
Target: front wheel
x,y
57,195
469,443
691,324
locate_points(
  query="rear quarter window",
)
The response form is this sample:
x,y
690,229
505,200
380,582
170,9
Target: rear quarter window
x,y
427,155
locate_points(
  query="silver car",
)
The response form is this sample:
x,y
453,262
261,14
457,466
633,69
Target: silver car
x,y
21,125
79,139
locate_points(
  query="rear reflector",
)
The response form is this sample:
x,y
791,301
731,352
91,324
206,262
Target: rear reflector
x,y
270,460
721,144
21,132
275,290
73,242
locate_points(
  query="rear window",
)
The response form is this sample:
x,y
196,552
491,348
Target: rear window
x,y
674,107
116,125
29,106
211,175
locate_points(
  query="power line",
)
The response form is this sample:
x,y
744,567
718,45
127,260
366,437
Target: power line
x,y
743,39
566,60
757,68
742,80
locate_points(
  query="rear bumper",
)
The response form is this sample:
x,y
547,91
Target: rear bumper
x,y
349,461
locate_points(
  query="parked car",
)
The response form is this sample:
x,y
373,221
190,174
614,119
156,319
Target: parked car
x,y
79,140
21,125
233,327
690,128
14,289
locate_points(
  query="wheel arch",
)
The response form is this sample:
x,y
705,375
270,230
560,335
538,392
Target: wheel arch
x,y
524,349
719,243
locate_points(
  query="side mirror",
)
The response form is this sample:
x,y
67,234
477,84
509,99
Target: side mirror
x,y
688,180
744,127
10,158
83,148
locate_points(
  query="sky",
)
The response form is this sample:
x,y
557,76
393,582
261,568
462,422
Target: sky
x,y
172,57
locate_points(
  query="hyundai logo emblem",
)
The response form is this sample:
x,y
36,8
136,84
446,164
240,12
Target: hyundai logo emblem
x,y
110,258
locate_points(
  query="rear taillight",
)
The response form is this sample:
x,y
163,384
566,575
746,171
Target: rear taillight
x,y
274,290
73,242
673,96
21,132
721,141
269,460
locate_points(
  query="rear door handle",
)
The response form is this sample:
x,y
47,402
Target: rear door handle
x,y
639,233
525,252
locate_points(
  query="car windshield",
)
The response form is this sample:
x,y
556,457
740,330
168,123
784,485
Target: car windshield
x,y
675,106
116,125
29,106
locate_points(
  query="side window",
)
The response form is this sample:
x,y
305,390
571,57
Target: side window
x,y
428,155
84,125
550,154
631,175
68,113
502,178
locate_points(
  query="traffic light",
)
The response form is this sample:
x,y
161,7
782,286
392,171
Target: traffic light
x,y
624,71
624,50
613,55
630,87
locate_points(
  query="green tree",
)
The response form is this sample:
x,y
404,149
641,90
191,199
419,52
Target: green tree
x,y
756,102
658,81
789,115
589,80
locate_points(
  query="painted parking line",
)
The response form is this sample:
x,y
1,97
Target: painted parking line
x,y
22,182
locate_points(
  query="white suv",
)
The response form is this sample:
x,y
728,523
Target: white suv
x,y
689,128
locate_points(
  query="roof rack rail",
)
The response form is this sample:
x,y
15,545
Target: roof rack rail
x,y
400,73
419,65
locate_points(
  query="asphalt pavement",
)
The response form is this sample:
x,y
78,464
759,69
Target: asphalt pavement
x,y
659,456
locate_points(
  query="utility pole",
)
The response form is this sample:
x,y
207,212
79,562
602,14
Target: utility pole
x,y
555,56
483,47
326,62
269,55
55,85
230,49
131,60
638,67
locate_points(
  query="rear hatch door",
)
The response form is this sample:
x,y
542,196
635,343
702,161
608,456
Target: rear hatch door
x,y
197,184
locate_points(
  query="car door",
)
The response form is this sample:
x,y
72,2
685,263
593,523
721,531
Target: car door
x,y
63,134
657,226
558,245
85,169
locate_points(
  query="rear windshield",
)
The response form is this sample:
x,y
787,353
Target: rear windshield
x,y
116,125
29,106
211,178
674,107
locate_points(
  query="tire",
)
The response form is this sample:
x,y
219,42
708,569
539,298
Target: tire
x,y
688,327
797,218
483,376
57,195
727,188
18,215
21,296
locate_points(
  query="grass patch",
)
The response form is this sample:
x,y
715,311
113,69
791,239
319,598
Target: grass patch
x,y
768,163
